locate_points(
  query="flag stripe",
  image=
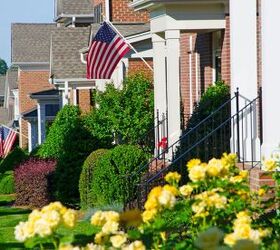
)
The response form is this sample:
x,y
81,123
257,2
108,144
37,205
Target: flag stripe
x,y
7,139
106,50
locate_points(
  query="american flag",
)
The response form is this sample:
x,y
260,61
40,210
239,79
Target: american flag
x,y
7,139
106,50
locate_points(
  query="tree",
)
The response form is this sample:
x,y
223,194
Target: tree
x,y
3,67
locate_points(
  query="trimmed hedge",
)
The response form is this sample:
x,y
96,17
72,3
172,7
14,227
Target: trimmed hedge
x,y
70,143
12,160
7,183
110,182
33,181
85,184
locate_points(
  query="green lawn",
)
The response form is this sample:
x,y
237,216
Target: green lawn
x,y
10,217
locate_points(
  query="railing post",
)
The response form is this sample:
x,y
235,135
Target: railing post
x,y
237,122
157,132
261,115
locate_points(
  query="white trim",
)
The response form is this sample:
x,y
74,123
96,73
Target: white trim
x,y
196,77
190,73
139,37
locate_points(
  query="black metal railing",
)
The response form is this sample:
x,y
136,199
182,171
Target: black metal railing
x,y
218,133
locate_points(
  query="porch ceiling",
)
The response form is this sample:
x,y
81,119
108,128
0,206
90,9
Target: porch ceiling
x,y
189,15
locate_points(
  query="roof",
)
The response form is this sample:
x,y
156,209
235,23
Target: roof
x,y
12,78
71,7
2,84
126,29
66,59
49,94
31,42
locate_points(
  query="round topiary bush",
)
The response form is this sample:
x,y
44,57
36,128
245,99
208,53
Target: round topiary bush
x,y
110,181
85,183
7,183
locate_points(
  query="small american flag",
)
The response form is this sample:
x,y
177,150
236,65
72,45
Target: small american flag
x,y
106,50
7,139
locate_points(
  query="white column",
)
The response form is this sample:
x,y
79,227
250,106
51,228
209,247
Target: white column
x,y
29,137
32,135
243,47
41,109
159,65
270,73
173,84
74,95
65,94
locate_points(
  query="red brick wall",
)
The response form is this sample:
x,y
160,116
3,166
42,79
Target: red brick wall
x,y
121,12
84,100
226,52
138,66
30,82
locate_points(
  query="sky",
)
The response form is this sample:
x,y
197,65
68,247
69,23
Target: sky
x,y
21,11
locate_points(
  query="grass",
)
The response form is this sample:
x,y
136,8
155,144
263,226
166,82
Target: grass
x,y
11,216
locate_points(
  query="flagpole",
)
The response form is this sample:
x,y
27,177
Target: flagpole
x,y
14,130
112,25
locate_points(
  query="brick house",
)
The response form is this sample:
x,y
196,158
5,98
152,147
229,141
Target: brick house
x,y
205,41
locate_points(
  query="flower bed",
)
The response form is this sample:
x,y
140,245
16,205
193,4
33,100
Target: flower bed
x,y
214,211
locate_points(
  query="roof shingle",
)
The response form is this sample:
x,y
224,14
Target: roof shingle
x,y
72,7
31,42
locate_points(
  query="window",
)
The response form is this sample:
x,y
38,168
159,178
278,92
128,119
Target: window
x,y
98,18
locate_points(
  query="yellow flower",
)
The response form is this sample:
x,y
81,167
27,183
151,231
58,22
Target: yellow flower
x,y
21,233
151,203
55,206
155,192
163,235
192,163
214,167
149,215
236,179
244,174
230,239
52,217
110,227
100,238
136,245
270,165
167,199
242,231
172,177
197,173
261,192
186,190
98,219
70,217
42,228
209,240
92,246
245,245
112,216
229,160
68,247
171,189
118,240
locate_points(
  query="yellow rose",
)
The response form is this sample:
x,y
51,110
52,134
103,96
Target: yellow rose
x,y
230,239
209,240
186,190
192,163
171,189
167,199
70,217
68,247
52,217
172,177
42,228
100,238
152,203
149,215
214,167
155,192
92,246
197,173
136,245
270,165
98,219
118,240
236,179
112,216
21,232
110,227
261,192
244,174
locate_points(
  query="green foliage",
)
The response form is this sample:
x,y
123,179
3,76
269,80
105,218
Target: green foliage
x,y
123,115
85,183
69,142
3,67
110,182
13,159
7,183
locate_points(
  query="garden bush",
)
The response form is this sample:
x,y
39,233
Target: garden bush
x,y
85,183
33,182
7,183
123,115
110,182
12,159
69,142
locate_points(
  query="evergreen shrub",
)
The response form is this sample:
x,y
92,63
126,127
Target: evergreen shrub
x,y
33,182
110,181
7,183
85,183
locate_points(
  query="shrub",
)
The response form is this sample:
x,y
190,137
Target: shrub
x,y
110,183
7,183
85,183
123,115
70,143
33,180
12,160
